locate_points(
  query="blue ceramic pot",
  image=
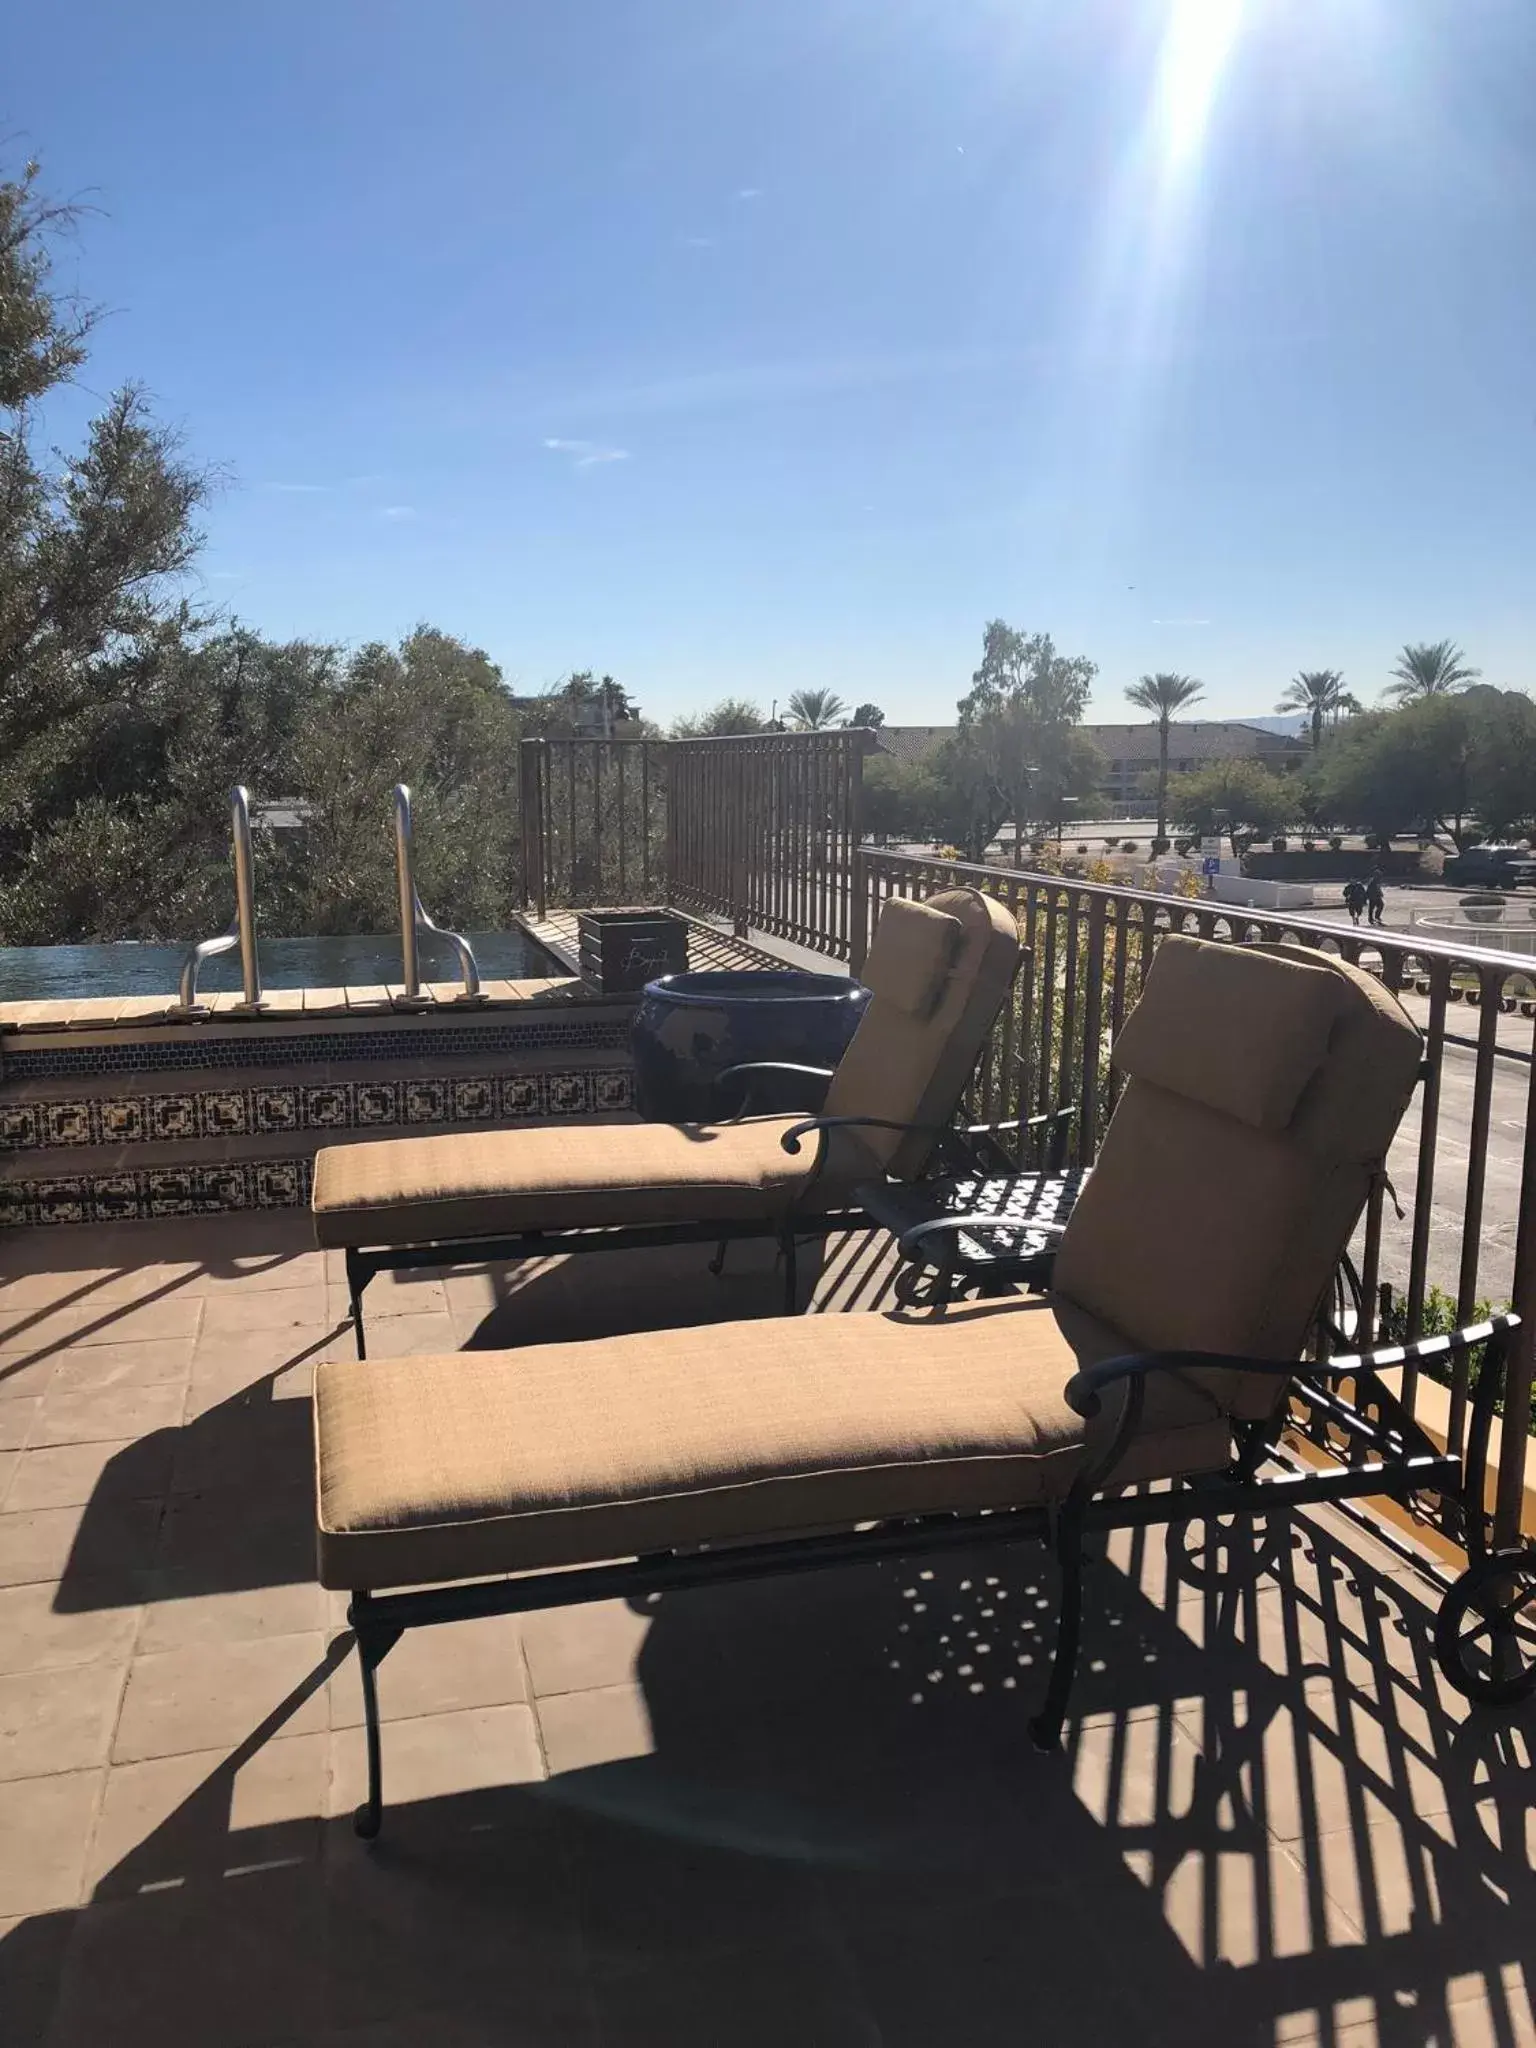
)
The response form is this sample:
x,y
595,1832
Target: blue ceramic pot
x,y
689,1028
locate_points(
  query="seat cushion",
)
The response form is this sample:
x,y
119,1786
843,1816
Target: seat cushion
x,y
485,1183
431,1469
912,955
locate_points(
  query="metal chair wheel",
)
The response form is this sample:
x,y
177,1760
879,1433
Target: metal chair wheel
x,y
1485,1635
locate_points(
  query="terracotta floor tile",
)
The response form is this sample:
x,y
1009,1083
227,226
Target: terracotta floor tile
x,y
9,1460
68,1475
414,1292
230,1538
26,1372
32,1952
45,1830
570,1649
102,1414
437,1671
264,1273
602,1726
18,1416
231,1960
61,1720
440,1755
402,1336
82,1324
36,1636
213,1695
169,1819
234,1311
248,1442
155,1361
180,1615
107,1540
801,1992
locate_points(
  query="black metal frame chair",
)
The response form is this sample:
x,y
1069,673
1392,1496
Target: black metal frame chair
x,y
1381,1452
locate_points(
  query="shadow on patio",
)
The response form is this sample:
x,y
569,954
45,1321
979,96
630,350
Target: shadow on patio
x,y
796,1812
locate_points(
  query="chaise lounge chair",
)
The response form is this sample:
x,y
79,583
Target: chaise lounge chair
x,y
1263,1088
938,973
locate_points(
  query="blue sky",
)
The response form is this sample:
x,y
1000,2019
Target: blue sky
x,y
735,345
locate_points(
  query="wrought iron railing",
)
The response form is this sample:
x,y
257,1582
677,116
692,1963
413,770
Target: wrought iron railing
x,y
593,821
764,830
1454,1230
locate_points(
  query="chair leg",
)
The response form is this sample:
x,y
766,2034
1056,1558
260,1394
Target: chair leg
x,y
358,1277
1045,1727
717,1263
373,1646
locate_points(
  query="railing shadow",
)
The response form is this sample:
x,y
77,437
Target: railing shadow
x,y
1269,1823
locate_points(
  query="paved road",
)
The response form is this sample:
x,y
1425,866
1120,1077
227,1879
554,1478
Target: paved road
x,y
1501,1194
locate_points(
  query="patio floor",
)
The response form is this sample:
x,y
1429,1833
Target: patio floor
x,y
798,1813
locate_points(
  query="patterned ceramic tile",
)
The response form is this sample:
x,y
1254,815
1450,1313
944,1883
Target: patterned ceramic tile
x,y
20,1126
18,1206
328,1107
61,1201
611,1090
115,1198
275,1109
222,1187
280,1183
567,1094
224,1112
376,1102
474,1100
520,1095
67,1123
426,1102
170,1191
172,1117
123,1121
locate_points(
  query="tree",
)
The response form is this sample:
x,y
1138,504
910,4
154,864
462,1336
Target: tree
x,y
868,714
730,715
1232,797
1321,694
1164,696
92,544
811,710
1010,747
1434,668
1501,765
1391,770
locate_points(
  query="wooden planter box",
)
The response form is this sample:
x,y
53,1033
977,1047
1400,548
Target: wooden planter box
x,y
621,950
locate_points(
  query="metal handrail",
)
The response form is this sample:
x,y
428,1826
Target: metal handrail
x,y
242,929
414,918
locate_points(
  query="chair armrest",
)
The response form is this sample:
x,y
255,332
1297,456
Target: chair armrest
x,y
935,1225
821,1125
749,1072
1083,1391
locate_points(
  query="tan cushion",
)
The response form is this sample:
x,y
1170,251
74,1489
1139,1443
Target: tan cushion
x,y
1197,1230
431,1469
911,1069
912,955
560,1176
1241,1030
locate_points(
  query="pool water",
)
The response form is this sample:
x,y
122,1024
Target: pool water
x,y
124,968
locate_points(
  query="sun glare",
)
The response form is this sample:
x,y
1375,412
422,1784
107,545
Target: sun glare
x,y
1195,49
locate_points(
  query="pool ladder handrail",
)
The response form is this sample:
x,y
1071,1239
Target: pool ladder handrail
x,y
242,929
415,920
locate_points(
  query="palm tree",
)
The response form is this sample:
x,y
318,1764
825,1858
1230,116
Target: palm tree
x,y
1163,695
1434,668
1320,692
812,709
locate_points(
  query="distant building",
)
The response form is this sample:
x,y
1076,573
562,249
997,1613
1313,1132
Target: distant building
x,y
1131,751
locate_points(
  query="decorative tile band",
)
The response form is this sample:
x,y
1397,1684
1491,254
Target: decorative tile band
x,y
182,1048
201,1188
164,1118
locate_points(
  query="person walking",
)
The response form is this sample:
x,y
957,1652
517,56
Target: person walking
x,y
1375,897
1354,899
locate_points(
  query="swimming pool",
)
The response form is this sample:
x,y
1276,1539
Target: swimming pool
x,y
124,968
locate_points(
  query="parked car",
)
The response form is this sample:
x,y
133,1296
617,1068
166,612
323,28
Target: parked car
x,y
1492,867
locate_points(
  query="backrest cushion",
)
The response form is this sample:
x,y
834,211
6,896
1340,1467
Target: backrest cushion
x,y
1244,1039
909,960
912,1068
1200,1229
